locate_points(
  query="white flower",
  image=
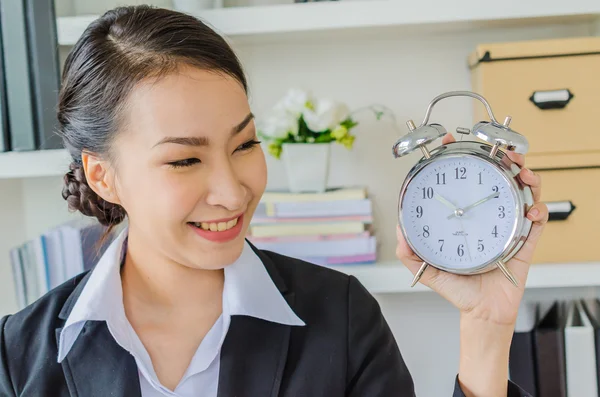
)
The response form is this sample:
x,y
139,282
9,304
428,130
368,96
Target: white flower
x,y
326,114
278,124
294,102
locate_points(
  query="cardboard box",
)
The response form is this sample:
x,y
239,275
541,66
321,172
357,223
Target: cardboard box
x,y
551,88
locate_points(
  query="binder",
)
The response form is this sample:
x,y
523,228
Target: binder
x,y
549,339
521,364
4,131
580,357
17,75
45,70
592,309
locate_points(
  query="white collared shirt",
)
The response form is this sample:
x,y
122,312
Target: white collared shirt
x,y
248,290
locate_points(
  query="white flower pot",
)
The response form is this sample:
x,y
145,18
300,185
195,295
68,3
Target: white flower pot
x,y
306,166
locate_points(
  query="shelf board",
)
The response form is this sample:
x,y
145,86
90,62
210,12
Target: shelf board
x,y
40,163
393,277
343,15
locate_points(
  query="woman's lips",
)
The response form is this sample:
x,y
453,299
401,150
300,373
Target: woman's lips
x,y
219,236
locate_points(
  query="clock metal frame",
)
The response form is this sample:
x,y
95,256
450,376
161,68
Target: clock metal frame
x,y
508,170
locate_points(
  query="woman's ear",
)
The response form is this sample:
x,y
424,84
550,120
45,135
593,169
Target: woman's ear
x,y
100,177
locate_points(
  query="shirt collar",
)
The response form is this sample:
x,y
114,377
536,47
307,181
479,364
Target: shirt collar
x,y
248,290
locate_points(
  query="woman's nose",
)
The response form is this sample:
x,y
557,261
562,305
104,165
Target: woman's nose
x,y
225,188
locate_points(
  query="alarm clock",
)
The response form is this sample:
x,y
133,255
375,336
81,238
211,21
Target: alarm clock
x,y
462,207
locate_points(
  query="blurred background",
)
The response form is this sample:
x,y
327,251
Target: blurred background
x,y
535,60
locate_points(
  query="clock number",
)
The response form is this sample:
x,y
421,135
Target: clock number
x,y
495,231
427,193
460,250
495,189
480,182
419,211
480,246
501,215
425,231
463,173
442,244
441,178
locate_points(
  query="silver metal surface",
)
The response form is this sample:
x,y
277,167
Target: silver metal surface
x,y
509,171
509,275
419,274
458,93
425,152
418,137
494,133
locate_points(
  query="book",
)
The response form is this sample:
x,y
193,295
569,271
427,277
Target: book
x,y
314,209
549,337
580,357
306,229
45,70
329,195
522,366
4,130
21,116
325,248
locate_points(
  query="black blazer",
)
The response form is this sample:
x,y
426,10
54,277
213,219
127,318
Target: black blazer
x,y
345,350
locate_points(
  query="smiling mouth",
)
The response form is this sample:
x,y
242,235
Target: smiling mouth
x,y
216,226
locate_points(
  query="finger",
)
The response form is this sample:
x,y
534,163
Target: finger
x,y
534,180
517,158
448,138
539,215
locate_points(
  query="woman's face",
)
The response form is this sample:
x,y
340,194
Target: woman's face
x,y
188,170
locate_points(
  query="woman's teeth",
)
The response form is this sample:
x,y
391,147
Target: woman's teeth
x,y
216,227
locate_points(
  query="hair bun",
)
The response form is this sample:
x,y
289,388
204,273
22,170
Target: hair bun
x,y
80,197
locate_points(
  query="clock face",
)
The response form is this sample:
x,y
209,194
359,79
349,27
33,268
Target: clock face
x,y
459,212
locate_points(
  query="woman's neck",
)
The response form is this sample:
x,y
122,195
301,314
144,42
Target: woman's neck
x,y
152,281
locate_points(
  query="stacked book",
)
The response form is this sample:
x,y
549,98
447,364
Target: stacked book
x,y
48,260
330,228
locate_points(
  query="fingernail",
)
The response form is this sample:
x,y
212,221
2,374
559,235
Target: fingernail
x,y
534,212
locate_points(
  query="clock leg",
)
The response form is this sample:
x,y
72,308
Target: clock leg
x,y
509,275
419,274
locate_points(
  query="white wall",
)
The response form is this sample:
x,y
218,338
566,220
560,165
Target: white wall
x,y
402,70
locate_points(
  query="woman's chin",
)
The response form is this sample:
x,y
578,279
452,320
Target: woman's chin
x,y
213,256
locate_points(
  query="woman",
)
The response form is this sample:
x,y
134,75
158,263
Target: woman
x,y
154,111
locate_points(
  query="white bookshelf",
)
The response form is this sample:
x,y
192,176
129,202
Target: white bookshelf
x,y
393,277
351,15
31,164
395,52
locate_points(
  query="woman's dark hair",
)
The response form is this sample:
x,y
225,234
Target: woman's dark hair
x,y
118,50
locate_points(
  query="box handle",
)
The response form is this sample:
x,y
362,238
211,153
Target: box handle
x,y
551,99
560,210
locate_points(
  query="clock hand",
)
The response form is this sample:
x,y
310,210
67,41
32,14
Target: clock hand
x,y
445,202
475,204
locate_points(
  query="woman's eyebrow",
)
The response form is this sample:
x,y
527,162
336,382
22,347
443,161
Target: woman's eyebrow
x,y
202,140
243,124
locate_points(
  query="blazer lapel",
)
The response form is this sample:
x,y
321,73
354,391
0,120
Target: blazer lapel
x,y
96,365
254,352
253,357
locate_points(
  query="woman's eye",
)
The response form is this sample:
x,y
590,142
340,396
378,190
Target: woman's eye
x,y
248,145
184,163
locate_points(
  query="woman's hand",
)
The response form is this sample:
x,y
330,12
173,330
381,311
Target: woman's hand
x,y
490,296
488,302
